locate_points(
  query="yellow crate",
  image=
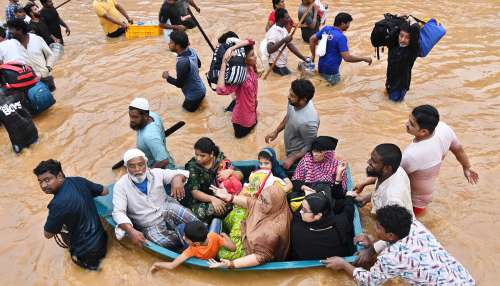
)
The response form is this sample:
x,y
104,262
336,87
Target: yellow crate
x,y
140,31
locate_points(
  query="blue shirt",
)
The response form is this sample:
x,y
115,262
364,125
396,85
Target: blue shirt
x,y
336,44
73,206
151,141
143,187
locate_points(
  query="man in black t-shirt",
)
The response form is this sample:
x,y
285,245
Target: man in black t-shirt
x,y
54,22
37,25
74,210
176,12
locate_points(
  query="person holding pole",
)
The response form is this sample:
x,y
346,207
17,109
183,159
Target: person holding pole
x,y
278,36
174,15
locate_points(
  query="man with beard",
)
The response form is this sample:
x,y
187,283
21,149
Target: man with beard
x,y
392,188
301,122
73,209
150,134
39,55
143,209
38,25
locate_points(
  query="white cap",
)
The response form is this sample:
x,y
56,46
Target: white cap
x,y
140,103
133,153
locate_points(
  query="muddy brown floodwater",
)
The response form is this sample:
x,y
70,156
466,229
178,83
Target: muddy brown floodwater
x,y
87,130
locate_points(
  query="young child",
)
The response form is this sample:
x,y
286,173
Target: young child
x,y
10,10
232,184
202,245
267,161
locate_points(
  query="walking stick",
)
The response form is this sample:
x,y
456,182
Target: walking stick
x,y
63,3
284,45
201,30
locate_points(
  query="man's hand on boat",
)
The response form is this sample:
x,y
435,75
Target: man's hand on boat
x,y
177,187
134,235
366,255
334,263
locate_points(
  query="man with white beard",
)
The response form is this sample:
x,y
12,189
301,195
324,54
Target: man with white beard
x,y
142,207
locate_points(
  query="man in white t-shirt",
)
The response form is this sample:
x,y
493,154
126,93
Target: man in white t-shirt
x,y
276,37
422,158
11,50
392,188
37,51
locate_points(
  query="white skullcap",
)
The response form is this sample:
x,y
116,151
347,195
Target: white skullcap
x,y
133,153
140,103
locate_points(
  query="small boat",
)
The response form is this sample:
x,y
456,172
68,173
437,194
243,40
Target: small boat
x,y
105,207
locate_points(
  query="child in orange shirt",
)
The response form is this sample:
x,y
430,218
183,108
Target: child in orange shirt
x,y
202,245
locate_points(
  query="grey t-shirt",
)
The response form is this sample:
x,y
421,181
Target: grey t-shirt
x,y
301,128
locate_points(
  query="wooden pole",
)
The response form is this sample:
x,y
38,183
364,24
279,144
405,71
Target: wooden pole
x,y
284,46
63,3
201,30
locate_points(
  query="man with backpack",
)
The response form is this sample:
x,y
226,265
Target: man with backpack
x,y
278,36
403,52
38,52
336,49
187,67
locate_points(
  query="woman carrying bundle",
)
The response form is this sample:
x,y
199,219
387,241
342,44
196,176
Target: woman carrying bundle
x,y
244,117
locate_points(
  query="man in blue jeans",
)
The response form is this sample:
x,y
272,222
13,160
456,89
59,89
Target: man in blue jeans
x,y
336,49
187,67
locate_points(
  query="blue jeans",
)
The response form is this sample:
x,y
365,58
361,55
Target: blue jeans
x,y
332,79
397,95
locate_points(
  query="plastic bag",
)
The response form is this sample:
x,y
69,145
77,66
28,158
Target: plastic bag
x,y
321,47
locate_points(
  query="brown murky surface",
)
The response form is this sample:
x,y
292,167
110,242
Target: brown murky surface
x,y
87,130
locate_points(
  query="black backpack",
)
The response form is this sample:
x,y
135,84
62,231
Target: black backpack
x,y
236,71
385,32
17,120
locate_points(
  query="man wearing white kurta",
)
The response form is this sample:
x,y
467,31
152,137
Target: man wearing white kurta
x,y
143,209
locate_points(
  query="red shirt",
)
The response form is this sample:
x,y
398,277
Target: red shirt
x,y
245,109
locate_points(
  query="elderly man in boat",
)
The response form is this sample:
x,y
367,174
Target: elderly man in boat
x,y
143,209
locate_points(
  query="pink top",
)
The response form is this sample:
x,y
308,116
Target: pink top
x,y
422,161
245,109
